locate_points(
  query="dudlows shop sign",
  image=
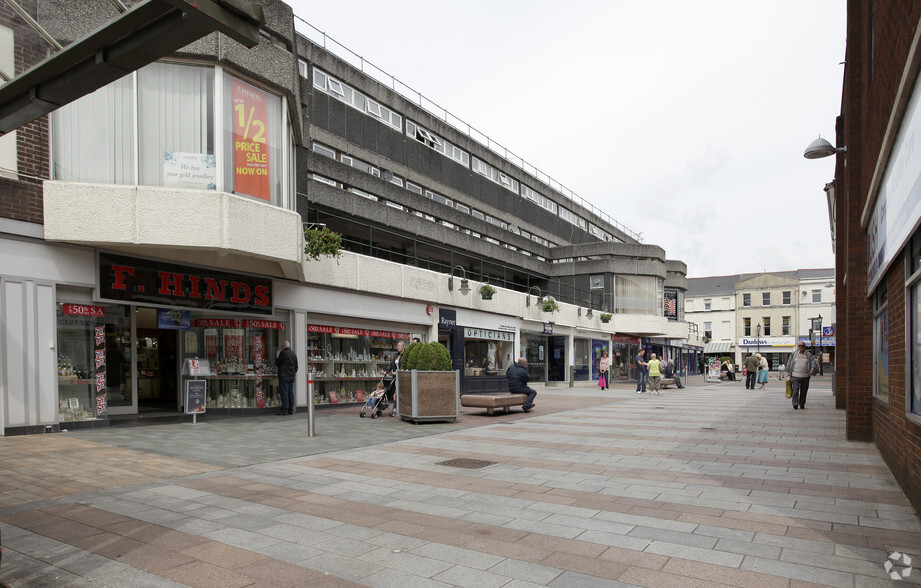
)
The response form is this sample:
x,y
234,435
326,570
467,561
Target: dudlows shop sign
x,y
766,342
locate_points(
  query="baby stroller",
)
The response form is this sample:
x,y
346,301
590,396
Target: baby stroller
x,y
379,400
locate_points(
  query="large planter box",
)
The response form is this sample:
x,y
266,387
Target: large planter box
x,y
428,396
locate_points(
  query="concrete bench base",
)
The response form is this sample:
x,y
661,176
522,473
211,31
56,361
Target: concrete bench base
x,y
666,382
493,401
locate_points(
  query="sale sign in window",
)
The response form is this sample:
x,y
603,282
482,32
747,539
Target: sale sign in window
x,y
250,140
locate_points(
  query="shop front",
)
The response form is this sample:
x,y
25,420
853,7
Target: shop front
x,y
623,349
481,345
775,349
345,363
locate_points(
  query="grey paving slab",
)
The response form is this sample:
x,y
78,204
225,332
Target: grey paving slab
x,y
652,460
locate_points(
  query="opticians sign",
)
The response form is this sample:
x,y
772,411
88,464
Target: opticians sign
x,y
472,333
250,140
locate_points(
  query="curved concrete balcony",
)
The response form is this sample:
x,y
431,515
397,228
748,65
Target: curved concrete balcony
x,y
191,226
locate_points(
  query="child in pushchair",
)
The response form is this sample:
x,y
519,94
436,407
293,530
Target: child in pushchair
x,y
379,400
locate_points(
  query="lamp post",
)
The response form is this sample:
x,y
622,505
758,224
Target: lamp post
x,y
820,345
758,337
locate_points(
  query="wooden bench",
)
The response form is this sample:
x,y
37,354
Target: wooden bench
x,y
493,401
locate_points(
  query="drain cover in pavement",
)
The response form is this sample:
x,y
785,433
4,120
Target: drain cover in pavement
x,y
708,428
468,464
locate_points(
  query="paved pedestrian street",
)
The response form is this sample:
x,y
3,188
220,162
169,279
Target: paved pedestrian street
x,y
712,485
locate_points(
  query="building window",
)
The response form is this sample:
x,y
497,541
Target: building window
x,y
766,322
462,208
414,188
361,165
439,198
329,85
747,327
746,299
483,168
9,163
324,150
636,295
707,304
539,199
787,298
914,311
785,325
765,299
881,342
817,296
159,127
437,143
708,330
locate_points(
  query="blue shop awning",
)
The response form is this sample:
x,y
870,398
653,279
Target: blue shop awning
x,y
718,347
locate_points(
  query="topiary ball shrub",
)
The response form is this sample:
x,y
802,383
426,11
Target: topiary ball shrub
x,y
426,357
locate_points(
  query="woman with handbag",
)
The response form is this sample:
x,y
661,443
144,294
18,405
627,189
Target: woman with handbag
x,y
604,367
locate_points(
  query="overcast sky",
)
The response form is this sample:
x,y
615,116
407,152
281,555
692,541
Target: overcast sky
x,y
684,121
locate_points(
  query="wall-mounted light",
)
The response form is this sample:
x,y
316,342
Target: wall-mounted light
x,y
821,148
464,285
589,305
528,297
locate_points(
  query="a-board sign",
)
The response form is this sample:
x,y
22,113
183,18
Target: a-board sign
x,y
196,395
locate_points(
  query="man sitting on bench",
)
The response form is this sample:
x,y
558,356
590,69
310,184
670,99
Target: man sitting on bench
x,y
669,372
518,378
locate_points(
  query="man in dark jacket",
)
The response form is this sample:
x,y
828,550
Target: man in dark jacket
x,y
518,379
669,372
286,362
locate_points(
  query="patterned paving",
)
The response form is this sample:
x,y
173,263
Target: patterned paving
x,y
713,485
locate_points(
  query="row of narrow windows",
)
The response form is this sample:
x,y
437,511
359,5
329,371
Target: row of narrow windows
x,y
337,89
431,195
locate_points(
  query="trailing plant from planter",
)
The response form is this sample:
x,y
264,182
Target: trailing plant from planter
x,y
606,317
549,304
486,291
322,241
426,357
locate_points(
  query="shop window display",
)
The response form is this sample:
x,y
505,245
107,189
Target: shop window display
x,y
241,357
346,363
93,371
484,357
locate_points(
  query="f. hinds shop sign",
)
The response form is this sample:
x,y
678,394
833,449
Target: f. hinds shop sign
x,y
126,279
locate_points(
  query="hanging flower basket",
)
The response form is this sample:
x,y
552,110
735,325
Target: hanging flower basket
x,y
548,304
322,241
486,291
606,317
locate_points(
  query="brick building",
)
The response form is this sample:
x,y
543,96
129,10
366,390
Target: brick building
x,y
878,255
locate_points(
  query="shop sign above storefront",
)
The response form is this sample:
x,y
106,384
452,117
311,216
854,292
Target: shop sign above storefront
x,y
766,342
351,331
472,333
238,324
128,279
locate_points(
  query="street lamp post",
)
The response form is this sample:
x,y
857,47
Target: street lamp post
x,y
758,337
820,345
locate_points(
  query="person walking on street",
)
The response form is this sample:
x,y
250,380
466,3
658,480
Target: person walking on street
x,y
604,371
764,370
655,374
392,370
286,362
801,366
751,371
640,371
518,379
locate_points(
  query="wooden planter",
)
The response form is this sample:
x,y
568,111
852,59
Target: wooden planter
x,y
428,396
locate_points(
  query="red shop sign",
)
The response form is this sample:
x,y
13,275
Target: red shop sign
x,y
239,324
351,331
83,310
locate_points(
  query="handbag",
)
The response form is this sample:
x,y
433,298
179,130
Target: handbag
x,y
602,382
789,389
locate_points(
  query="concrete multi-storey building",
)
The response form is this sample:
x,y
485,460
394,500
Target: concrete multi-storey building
x,y
767,313
154,227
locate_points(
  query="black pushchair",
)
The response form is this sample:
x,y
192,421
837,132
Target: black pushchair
x,y
380,400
